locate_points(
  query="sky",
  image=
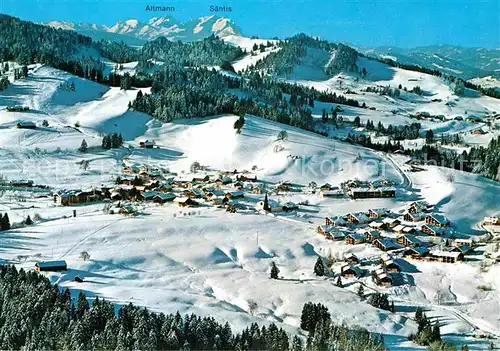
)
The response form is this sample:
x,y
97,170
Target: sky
x,y
402,23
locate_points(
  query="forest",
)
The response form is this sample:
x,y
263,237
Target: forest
x,y
36,315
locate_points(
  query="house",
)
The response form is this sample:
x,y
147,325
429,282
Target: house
x,y
185,202
223,180
193,193
283,186
26,125
437,220
416,253
377,212
201,178
72,197
147,144
331,193
365,193
324,229
432,230
327,187
386,244
381,277
21,183
414,216
473,119
354,239
148,195
358,218
351,258
409,240
51,266
463,242
161,198
392,267
391,222
246,178
478,131
399,229
350,271
464,249
417,207
237,194
408,230
257,189
370,235
17,108
239,185
127,209
115,195
491,221
377,225
290,206
335,221
447,256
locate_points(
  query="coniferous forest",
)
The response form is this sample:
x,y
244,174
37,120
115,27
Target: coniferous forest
x,y
36,315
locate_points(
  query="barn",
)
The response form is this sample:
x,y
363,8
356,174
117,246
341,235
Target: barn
x,y
51,266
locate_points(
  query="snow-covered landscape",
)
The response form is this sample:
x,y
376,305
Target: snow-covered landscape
x,y
189,214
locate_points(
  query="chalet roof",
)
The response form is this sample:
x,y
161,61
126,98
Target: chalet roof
x,y
388,243
468,241
390,263
461,248
360,216
376,225
413,239
356,236
434,228
352,267
325,228
50,264
149,194
26,123
398,228
182,199
350,255
235,193
386,257
389,220
439,218
379,211
419,250
408,229
442,253
332,192
337,220
165,196
416,215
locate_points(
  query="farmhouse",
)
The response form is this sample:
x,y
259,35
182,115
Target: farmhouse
x,y
247,177
327,187
21,183
161,198
409,240
417,207
432,230
223,180
274,206
377,225
331,193
354,239
437,220
381,277
491,221
377,212
237,194
51,266
386,244
463,242
358,218
465,249
351,258
193,193
72,197
370,235
148,195
416,253
391,266
365,193
391,222
447,256
324,229
185,202
147,144
26,125
399,229
350,271
335,221
414,216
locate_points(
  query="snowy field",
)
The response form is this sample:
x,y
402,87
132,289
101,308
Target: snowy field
x,y
212,262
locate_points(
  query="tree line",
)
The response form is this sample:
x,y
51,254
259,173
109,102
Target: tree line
x,y
36,315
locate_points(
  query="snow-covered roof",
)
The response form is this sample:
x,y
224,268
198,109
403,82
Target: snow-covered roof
x,y
165,196
48,264
439,218
389,220
442,253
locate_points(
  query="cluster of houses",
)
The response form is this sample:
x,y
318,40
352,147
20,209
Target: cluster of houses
x,y
142,183
357,189
408,233
493,221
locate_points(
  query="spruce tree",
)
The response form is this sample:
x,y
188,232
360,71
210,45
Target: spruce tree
x,y
28,221
361,291
339,282
266,204
274,271
319,268
83,147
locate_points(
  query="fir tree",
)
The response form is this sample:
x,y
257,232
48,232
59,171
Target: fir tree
x,y
339,282
28,221
319,268
274,271
83,146
266,204
361,291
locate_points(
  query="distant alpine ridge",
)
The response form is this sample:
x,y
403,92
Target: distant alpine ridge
x,y
458,61
134,32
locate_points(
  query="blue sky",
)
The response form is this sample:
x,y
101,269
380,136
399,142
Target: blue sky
x,y
404,23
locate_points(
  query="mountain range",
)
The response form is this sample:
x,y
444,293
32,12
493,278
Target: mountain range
x,y
462,62
134,32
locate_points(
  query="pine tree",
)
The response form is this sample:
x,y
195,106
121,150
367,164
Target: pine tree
x,y
339,282
319,268
361,291
266,204
28,221
83,147
274,271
